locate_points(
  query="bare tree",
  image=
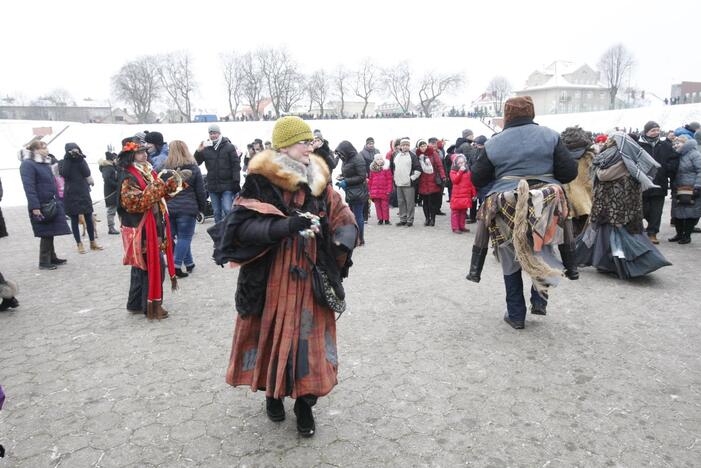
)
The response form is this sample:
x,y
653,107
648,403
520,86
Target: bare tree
x,y
293,92
252,82
138,85
433,86
232,67
278,69
59,97
616,63
309,91
500,88
365,83
176,77
397,81
319,89
340,80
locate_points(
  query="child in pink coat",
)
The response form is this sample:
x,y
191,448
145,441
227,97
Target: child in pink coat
x,y
462,195
380,185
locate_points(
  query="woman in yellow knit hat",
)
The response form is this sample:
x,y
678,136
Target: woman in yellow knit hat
x,y
292,236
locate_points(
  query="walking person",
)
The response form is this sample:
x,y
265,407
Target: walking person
x,y
380,187
406,171
76,196
431,181
146,233
223,164
8,289
110,181
288,229
523,176
184,206
353,181
686,189
46,211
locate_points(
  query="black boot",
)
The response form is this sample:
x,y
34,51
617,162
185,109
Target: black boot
x,y
305,418
679,227
569,260
274,409
686,228
476,264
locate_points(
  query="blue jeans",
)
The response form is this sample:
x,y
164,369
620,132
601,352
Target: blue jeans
x,y
515,303
221,203
183,228
357,209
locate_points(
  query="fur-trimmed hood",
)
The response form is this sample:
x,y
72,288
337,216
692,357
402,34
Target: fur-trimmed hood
x,y
106,162
288,174
25,154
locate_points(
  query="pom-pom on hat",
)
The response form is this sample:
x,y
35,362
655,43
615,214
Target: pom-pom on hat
x,y
289,130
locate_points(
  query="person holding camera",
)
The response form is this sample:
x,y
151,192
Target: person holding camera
x,y
46,211
686,188
76,196
223,164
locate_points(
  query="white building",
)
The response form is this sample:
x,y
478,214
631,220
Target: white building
x,y
565,87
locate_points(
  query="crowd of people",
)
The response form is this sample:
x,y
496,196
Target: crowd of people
x,y
547,202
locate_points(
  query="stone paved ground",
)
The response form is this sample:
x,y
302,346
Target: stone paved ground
x,y
430,375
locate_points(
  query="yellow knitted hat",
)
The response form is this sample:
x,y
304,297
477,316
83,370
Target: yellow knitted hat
x,y
289,130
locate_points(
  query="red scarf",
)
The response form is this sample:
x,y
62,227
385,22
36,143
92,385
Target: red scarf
x,y
153,249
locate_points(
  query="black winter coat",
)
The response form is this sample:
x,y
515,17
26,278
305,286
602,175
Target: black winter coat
x,y
40,187
193,199
663,153
354,172
76,194
110,178
223,167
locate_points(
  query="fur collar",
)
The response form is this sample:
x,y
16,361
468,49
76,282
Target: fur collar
x,y
24,154
106,162
288,174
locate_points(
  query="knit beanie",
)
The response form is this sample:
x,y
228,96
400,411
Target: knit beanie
x,y
481,140
467,134
213,128
370,140
518,107
289,130
693,126
649,126
155,138
575,138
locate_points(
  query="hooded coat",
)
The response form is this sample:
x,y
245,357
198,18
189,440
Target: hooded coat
x,y
110,179
688,174
380,181
40,187
354,172
76,194
463,190
284,340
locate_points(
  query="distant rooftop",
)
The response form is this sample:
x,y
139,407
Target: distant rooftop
x,y
564,74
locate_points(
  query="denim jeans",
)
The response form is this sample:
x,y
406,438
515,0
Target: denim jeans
x,y
182,228
221,203
357,209
515,303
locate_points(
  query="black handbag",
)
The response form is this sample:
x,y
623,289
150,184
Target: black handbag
x,y
49,210
324,292
438,179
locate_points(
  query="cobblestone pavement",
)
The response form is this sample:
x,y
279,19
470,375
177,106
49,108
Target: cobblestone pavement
x,y
429,373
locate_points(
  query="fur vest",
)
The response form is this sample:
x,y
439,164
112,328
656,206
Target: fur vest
x,y
579,191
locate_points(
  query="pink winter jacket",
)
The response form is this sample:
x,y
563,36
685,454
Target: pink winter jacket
x,y
380,182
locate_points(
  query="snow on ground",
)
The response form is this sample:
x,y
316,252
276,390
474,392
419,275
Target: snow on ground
x,y
94,138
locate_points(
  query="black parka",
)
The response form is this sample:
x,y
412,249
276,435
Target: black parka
x,y
223,167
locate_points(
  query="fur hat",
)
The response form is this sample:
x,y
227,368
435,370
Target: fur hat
x,y
649,126
518,107
289,130
575,138
155,138
213,128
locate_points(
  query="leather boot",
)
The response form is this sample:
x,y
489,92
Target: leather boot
x,y
569,260
476,264
155,310
81,248
95,246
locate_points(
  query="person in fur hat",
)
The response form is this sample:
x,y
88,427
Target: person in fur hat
x,y
380,186
146,232
525,209
292,236
579,191
463,193
8,289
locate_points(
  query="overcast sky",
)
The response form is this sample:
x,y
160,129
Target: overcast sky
x,y
79,45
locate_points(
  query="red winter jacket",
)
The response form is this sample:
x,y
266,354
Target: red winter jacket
x,y
463,190
427,182
380,183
